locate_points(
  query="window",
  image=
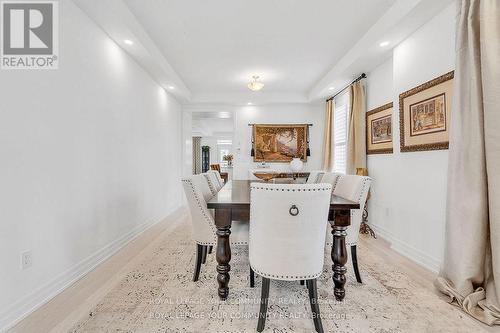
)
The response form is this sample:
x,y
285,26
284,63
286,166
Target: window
x,y
340,130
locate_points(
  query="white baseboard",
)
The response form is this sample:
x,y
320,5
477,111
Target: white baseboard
x,y
25,306
408,251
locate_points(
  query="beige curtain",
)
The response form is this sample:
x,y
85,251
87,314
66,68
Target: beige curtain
x,y
328,138
356,141
472,250
196,155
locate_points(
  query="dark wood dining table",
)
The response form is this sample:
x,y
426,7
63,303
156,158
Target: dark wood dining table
x,y
232,203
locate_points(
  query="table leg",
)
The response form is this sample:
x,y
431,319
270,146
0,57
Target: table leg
x,y
223,252
342,219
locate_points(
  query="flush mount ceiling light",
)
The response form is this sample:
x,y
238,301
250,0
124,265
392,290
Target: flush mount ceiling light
x,y
384,43
255,85
128,42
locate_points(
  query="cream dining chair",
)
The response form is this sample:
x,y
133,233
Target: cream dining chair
x,y
202,221
330,178
217,174
315,177
213,181
298,253
354,188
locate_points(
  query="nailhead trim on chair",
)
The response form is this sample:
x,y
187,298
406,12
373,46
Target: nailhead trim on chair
x,y
215,243
212,226
365,180
335,184
217,175
203,243
210,184
299,277
290,190
363,186
238,243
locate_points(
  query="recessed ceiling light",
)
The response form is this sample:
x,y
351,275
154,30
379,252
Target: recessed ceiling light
x,y
171,87
331,88
385,43
249,103
128,42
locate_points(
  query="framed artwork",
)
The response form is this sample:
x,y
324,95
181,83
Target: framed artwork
x,y
424,115
279,143
379,130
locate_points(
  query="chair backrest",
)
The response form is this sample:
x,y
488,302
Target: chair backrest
x,y
354,188
219,178
197,194
213,181
215,167
315,177
283,246
330,178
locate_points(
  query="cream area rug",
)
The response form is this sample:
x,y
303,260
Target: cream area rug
x,y
158,295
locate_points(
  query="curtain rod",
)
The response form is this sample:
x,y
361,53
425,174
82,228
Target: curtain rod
x,y
362,76
280,125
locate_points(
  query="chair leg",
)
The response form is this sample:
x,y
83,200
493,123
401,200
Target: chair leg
x,y
252,278
264,299
313,300
205,250
354,257
210,249
309,289
197,265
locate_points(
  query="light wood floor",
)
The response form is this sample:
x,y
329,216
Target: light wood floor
x,y
62,312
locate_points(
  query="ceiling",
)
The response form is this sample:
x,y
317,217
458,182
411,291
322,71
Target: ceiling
x,y
215,124
216,46
207,51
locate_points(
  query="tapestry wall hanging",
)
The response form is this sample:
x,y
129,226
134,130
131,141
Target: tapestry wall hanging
x,y
279,143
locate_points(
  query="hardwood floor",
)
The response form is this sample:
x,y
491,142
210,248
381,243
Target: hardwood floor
x,y
62,312
420,275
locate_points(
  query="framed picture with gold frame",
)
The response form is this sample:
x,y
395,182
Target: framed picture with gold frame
x,y
424,115
379,130
280,143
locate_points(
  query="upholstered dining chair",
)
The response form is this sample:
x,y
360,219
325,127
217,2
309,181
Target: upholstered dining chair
x,y
202,221
213,182
315,177
354,188
219,177
330,178
223,176
297,254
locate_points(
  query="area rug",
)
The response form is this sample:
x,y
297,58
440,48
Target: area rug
x,y
158,295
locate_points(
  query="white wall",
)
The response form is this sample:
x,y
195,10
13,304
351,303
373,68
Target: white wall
x,y
187,143
275,114
90,156
212,125
408,199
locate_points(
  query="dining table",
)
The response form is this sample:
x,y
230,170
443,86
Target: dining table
x,y
232,203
